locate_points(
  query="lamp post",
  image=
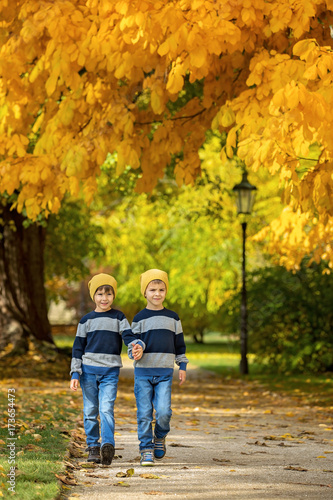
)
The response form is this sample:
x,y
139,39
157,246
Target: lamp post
x,y
245,199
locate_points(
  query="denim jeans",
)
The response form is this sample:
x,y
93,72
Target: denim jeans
x,y
99,394
152,393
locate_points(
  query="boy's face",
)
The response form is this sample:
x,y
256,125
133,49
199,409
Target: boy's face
x,y
155,295
103,299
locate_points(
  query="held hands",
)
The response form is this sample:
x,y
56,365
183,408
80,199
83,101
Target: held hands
x,y
74,384
182,376
137,352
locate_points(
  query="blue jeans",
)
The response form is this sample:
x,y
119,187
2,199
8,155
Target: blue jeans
x,y
99,394
150,393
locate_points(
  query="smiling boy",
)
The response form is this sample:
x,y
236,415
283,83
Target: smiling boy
x,y
161,331
96,362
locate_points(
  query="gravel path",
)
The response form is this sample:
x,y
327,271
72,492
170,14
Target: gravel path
x,y
229,440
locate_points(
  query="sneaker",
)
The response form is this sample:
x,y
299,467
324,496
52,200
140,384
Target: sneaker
x,y
94,455
147,458
159,448
107,452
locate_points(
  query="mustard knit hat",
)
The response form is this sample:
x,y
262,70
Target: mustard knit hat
x,y
100,280
151,275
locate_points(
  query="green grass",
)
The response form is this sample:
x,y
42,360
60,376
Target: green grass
x,y
223,358
45,414
64,341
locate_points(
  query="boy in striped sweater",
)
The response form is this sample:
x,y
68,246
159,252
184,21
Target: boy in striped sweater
x,y
96,362
161,331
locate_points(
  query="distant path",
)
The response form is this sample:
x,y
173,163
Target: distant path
x,y
229,440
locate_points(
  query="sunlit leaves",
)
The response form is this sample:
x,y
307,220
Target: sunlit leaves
x,y
191,232
80,80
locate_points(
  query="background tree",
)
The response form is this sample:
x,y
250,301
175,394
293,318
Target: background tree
x,y
191,232
83,78
34,254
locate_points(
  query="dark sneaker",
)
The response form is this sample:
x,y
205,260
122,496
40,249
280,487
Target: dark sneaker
x,y
159,448
147,459
94,455
107,452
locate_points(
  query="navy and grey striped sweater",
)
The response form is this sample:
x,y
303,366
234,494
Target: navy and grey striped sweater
x,y
162,333
98,342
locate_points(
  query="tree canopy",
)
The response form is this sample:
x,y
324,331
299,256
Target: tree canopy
x,y
147,79
191,232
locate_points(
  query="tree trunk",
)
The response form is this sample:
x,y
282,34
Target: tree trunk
x,y
23,307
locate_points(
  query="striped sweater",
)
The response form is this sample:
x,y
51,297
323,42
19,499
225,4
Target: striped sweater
x,y
162,333
98,342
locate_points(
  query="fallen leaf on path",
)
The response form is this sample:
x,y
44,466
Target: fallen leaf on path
x,y
64,433
299,469
257,443
176,445
128,473
154,493
69,464
65,480
122,483
78,445
74,452
149,476
314,484
220,460
252,453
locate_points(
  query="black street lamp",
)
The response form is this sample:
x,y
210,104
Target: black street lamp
x,y
245,199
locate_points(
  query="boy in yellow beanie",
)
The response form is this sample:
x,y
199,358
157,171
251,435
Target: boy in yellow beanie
x,y
96,362
161,331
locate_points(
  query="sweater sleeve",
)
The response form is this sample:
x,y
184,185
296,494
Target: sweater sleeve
x,y
136,331
180,347
79,345
129,338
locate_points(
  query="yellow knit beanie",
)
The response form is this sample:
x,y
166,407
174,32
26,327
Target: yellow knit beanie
x,y
100,280
151,275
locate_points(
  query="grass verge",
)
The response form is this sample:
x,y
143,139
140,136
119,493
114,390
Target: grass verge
x,y
308,388
38,415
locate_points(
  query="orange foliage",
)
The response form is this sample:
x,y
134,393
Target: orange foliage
x,y
81,78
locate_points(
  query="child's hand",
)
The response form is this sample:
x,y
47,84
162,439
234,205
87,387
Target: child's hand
x,y
182,376
74,384
137,352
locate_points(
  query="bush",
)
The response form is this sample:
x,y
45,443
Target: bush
x,y
290,318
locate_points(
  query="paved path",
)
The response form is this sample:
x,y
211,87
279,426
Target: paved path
x,y
229,440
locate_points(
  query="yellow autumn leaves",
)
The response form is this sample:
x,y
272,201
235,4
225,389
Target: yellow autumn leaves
x,y
82,79
284,123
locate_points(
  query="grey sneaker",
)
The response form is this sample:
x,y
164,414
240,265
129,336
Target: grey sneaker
x,y
94,455
147,459
107,452
159,448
